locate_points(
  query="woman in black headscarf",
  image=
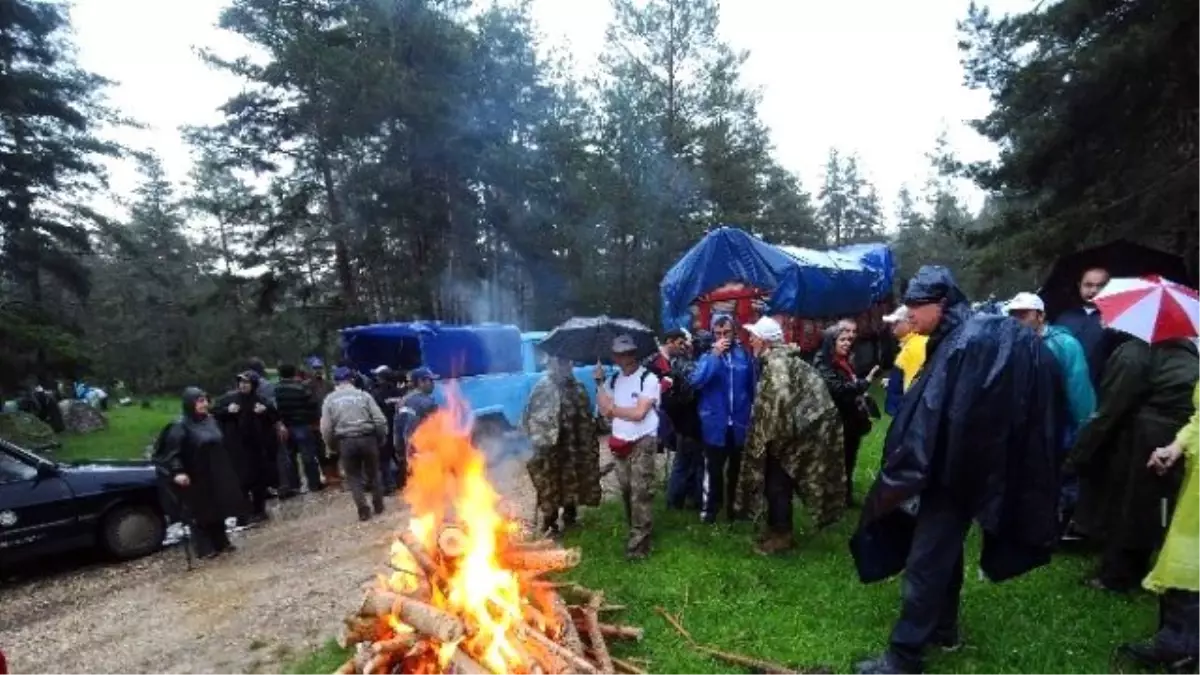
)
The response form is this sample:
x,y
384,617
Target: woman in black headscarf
x,y
193,454
247,421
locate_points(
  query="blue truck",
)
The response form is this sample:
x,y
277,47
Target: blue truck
x,y
493,367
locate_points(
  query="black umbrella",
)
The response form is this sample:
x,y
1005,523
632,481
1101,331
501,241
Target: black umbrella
x,y
1122,258
590,339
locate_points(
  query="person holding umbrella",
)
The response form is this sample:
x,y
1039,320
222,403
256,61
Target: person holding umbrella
x,y
1145,397
630,400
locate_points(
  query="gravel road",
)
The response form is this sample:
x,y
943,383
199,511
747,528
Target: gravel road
x,y
282,594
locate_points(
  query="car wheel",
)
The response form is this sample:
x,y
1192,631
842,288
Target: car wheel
x,y
132,532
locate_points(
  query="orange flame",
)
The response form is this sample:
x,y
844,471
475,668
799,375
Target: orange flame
x,y
448,485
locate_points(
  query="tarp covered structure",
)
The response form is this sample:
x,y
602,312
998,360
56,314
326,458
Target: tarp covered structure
x,y
798,281
447,350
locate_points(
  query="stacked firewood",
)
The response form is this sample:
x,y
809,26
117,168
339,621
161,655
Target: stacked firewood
x,y
561,629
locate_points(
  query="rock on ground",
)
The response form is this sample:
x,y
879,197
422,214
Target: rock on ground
x,y
281,595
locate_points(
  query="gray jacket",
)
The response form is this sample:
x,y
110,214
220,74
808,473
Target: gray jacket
x,y
349,412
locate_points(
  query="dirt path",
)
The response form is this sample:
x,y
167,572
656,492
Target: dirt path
x,y
281,595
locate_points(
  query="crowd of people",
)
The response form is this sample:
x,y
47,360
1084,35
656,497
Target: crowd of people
x,y
1039,433
226,457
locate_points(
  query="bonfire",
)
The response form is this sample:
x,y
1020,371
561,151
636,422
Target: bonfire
x,y
465,591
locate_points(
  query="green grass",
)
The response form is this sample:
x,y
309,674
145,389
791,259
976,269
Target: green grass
x,y
130,430
807,609
323,660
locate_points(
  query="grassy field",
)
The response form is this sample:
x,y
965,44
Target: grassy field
x,y
808,610
130,430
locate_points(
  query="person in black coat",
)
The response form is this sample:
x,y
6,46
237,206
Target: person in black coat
x,y
976,440
192,454
248,422
849,391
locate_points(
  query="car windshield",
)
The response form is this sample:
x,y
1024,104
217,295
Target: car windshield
x,y
14,470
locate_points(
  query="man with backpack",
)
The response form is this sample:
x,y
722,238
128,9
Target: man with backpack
x,y
629,399
674,366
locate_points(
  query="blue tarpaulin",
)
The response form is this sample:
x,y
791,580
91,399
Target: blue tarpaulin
x,y
800,282
447,350
877,258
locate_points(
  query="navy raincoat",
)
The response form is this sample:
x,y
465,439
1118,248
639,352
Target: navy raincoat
x,y
980,424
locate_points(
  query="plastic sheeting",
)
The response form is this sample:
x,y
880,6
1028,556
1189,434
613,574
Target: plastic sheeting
x,y
877,258
449,351
801,282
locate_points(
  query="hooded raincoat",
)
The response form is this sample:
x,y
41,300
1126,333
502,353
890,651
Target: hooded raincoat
x,y
980,426
565,468
250,436
1178,567
725,390
192,445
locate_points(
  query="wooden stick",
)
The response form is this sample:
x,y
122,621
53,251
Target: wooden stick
x,y
765,667
619,632
626,667
676,625
550,560
612,608
534,545
548,661
429,620
418,553
592,619
463,664
379,663
377,603
577,662
399,643
453,542
568,634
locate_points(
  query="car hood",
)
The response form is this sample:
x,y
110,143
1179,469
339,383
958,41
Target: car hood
x,y
108,474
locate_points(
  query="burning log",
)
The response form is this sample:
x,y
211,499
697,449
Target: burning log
x,y
452,542
592,621
465,593
544,560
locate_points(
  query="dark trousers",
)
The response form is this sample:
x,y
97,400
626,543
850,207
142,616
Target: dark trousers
x,y
687,474
301,451
851,441
209,538
933,578
360,463
780,488
1178,623
388,466
1122,569
722,465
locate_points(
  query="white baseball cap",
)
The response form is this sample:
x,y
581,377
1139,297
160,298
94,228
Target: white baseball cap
x,y
767,329
897,316
1022,302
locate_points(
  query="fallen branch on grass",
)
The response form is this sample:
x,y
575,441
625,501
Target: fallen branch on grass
x,y
756,665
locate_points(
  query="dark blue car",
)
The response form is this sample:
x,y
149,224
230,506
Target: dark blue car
x,y
49,507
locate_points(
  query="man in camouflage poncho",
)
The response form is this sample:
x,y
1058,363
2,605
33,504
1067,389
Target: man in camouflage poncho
x,y
565,468
794,443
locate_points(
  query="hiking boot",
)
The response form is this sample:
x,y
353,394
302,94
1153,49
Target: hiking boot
x,y
775,544
637,554
887,664
570,517
378,505
948,641
364,513
1152,656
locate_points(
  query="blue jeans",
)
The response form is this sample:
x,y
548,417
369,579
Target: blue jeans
x,y
687,474
303,445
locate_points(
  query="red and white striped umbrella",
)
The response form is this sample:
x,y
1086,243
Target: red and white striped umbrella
x,y
1151,308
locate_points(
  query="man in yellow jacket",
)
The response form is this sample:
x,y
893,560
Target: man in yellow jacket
x,y
909,359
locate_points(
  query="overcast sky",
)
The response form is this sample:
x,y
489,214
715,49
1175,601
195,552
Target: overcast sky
x,y
876,77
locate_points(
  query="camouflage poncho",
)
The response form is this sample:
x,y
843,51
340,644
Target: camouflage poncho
x,y
795,420
565,467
